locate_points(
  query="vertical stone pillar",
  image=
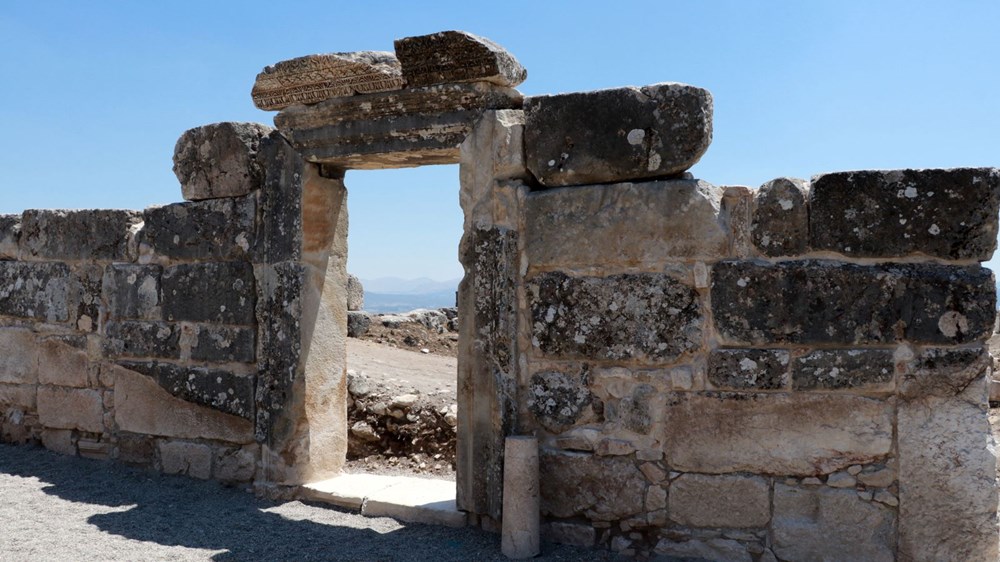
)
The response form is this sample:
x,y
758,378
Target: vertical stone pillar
x,y
520,537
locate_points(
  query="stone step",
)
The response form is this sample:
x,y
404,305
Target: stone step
x,y
410,499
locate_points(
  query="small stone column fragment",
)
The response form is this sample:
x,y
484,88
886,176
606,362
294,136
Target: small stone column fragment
x,y
456,56
314,78
520,498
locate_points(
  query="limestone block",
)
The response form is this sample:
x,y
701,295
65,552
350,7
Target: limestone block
x,y
59,441
564,532
818,301
315,78
559,400
142,339
236,465
599,488
138,450
456,56
62,363
20,396
625,223
224,344
142,406
71,408
948,214
830,524
520,532
216,388
132,291
737,201
870,370
94,449
76,235
219,160
355,294
780,224
704,549
411,127
616,135
702,500
947,472
19,356
775,433
10,234
943,372
760,369
85,296
491,171
646,317
40,291
210,292
217,229
191,459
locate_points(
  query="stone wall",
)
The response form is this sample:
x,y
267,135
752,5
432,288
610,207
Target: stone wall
x,y
796,372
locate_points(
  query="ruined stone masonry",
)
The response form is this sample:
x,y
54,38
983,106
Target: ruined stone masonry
x,y
796,372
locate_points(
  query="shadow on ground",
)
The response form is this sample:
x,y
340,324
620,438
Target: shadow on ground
x,y
177,511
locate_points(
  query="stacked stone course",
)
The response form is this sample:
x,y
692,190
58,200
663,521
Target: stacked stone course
x,y
796,372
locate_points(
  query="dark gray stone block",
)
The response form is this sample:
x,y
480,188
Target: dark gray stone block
x,y
758,369
616,135
279,308
949,214
35,290
86,295
142,339
281,200
77,235
10,234
219,229
456,56
558,400
818,301
944,372
209,292
132,291
832,369
357,323
219,160
225,343
215,388
645,316
780,224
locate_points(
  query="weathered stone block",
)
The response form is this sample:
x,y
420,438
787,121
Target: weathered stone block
x,y
816,301
780,225
625,223
35,290
645,316
281,200
358,324
219,229
132,291
236,465
76,235
636,410
599,488
775,433
830,524
215,388
701,500
191,459
947,467
833,369
355,294
18,396
411,127
19,356
85,296
761,369
225,344
704,549
456,56
210,292
59,441
563,532
63,361
315,78
142,406
219,160
949,214
138,450
10,234
616,135
943,372
558,400
142,339
281,308
70,408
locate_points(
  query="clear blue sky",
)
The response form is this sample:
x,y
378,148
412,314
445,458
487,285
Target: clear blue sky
x,y
97,92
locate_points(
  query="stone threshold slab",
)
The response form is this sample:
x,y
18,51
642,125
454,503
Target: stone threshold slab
x,y
410,499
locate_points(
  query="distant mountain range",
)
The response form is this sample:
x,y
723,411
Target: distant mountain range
x,y
395,294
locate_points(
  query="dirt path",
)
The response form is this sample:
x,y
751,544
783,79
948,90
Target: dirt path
x,y
425,372
58,508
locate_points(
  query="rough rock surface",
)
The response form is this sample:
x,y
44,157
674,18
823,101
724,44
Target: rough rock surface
x,y
625,223
314,78
215,388
10,234
558,400
616,135
949,214
76,235
701,500
219,229
600,488
761,369
456,56
35,290
780,223
832,369
814,301
219,160
210,292
133,291
355,294
647,317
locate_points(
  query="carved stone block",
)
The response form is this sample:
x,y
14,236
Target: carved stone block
x,y
315,78
456,56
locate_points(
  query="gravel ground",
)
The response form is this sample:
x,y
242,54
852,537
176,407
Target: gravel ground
x,y
62,508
